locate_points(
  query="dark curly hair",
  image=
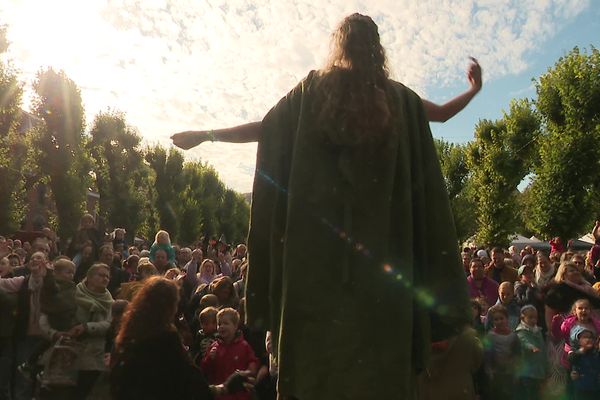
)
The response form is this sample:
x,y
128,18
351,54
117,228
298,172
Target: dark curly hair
x,y
352,94
151,312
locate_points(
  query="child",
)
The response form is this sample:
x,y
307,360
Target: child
x,y
506,298
119,243
163,241
228,354
532,366
207,334
585,364
501,349
87,232
581,316
57,298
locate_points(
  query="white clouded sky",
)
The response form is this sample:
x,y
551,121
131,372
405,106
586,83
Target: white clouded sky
x,y
174,65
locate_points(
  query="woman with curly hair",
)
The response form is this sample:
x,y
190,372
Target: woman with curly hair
x,y
351,229
150,361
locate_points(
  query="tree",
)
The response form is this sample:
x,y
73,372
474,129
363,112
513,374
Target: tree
x,y
12,146
59,144
211,199
453,161
567,177
190,215
168,168
121,175
499,158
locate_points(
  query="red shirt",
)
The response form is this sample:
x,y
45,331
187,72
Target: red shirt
x,y
237,355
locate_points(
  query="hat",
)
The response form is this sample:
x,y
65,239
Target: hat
x,y
576,331
522,268
482,253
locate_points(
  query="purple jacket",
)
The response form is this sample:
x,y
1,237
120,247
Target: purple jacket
x,y
489,290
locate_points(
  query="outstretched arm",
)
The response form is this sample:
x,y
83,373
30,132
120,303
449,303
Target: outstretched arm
x,y
251,132
238,134
442,113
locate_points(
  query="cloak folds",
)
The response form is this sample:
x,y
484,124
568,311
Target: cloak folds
x,y
353,257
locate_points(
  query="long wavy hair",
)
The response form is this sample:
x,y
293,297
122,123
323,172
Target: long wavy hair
x,y
151,312
352,94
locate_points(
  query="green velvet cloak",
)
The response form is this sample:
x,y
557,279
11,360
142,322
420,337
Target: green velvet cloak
x,y
354,262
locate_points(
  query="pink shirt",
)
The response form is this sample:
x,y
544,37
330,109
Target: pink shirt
x,y
488,290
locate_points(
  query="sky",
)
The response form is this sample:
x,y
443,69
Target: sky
x,y
175,65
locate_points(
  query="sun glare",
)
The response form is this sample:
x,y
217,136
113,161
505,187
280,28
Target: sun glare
x,y
55,34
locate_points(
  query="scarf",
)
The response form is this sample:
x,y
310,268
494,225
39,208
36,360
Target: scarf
x,y
542,278
90,303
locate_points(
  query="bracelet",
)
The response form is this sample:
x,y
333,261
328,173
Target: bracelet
x,y
218,390
211,135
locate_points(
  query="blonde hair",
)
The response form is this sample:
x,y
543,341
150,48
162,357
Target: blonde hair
x,y
562,270
352,94
230,313
208,314
163,234
145,266
62,264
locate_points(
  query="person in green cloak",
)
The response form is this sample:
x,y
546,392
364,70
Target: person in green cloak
x,y
353,257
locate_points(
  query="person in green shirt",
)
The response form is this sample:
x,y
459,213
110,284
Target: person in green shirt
x,y
353,259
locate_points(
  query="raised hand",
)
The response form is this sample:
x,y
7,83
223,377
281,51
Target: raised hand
x,y
474,74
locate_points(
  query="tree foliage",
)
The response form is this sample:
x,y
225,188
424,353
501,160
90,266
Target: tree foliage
x,y
60,143
121,175
453,161
168,170
567,177
499,158
12,147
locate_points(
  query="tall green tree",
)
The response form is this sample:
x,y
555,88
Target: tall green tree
x,y
567,178
59,143
453,160
213,191
12,146
122,177
190,215
499,158
168,172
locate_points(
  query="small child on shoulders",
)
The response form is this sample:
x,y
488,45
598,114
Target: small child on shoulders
x,y
162,241
532,367
585,364
228,354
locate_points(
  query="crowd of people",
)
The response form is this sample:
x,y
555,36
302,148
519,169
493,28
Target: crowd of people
x,y
85,325
83,321
536,314
355,290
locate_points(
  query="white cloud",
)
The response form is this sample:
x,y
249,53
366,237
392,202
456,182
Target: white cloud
x,y
174,65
